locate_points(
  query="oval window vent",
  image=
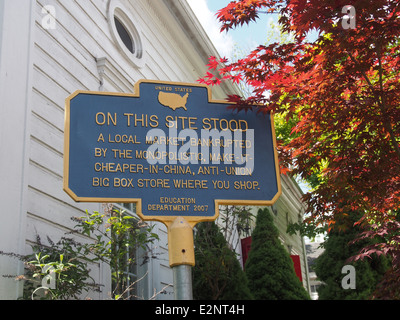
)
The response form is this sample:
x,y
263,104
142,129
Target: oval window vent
x,y
125,32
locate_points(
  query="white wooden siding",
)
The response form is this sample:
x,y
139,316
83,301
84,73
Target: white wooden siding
x,y
48,66
78,55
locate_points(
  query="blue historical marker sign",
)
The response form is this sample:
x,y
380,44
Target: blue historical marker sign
x,y
170,149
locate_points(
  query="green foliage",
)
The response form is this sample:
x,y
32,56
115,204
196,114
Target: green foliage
x,y
61,263
217,274
117,238
306,229
284,127
269,267
339,247
113,238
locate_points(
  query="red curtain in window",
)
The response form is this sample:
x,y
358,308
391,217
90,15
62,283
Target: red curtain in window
x,y
246,245
297,266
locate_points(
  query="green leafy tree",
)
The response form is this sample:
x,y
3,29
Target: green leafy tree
x,y
339,247
217,274
269,268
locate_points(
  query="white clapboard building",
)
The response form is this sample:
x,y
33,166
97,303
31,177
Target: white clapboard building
x,y
48,50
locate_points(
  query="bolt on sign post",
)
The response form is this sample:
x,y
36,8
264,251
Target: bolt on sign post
x,y
174,152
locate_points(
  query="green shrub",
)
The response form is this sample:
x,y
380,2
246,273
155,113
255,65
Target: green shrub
x,y
217,274
269,268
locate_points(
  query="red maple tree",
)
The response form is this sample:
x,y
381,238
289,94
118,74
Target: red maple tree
x,y
344,91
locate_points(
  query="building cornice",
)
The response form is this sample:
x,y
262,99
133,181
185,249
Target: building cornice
x,y
195,32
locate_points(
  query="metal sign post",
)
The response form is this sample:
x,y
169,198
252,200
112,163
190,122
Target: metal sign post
x,y
174,152
183,282
181,257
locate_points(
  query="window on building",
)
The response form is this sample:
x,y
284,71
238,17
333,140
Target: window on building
x,y
130,207
124,35
124,284
125,31
127,267
314,288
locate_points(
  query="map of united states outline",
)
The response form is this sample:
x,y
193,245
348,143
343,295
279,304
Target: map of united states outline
x,y
173,100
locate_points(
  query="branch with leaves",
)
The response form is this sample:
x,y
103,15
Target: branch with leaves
x,y
342,91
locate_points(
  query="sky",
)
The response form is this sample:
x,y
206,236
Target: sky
x,y
244,38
